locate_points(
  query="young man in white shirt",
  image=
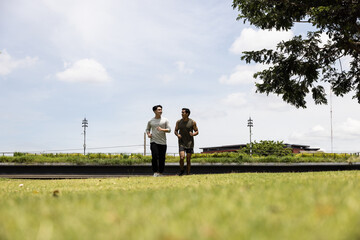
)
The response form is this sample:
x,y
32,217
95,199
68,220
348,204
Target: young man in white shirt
x,y
156,130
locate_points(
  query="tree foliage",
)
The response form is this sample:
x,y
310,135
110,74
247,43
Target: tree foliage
x,y
303,65
267,148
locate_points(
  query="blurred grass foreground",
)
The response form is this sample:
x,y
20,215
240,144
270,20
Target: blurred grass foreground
x,y
321,205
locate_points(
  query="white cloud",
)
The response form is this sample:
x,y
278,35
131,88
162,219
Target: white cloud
x,y
257,102
345,63
243,74
251,40
182,69
84,70
9,64
271,102
349,129
343,133
313,136
210,113
166,78
318,129
235,99
324,39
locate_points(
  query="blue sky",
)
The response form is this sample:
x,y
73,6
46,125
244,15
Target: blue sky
x,y
111,61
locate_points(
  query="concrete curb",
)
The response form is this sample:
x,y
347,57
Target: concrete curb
x,y
52,171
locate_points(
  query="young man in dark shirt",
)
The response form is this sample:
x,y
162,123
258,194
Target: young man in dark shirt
x,y
185,130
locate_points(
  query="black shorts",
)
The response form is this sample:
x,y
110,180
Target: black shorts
x,y
187,150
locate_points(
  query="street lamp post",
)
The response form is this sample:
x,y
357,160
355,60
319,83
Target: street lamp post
x,y
250,125
84,125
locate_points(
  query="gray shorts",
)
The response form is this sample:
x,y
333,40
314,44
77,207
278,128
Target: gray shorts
x,y
187,150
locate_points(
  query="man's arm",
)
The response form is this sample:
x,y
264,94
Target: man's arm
x,y
196,130
177,130
148,127
167,128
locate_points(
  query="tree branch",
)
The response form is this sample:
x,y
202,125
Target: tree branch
x,y
355,45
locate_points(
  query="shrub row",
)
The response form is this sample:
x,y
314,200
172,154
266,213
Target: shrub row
x,y
225,157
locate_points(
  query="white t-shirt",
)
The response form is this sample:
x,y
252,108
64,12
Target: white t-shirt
x,y
158,137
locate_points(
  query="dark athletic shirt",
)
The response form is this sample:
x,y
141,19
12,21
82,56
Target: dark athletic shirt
x,y
185,127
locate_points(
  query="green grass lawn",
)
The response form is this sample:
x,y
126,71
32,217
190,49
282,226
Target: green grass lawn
x,y
324,205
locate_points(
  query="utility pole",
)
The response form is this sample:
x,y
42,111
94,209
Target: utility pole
x,y
84,125
144,143
331,122
250,125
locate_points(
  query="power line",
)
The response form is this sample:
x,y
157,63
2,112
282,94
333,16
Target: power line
x,y
78,149
116,147
92,148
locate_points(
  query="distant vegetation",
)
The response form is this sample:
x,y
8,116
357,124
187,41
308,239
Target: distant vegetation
x,y
129,159
267,148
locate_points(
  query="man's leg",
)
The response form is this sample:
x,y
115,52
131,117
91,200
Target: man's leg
x,y
155,156
162,156
188,162
182,157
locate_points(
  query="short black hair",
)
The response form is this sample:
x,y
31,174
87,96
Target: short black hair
x,y
155,107
186,110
